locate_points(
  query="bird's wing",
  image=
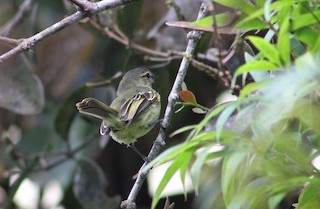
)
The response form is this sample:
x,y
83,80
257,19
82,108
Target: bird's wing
x,y
104,128
132,107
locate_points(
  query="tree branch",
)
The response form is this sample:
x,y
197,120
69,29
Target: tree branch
x,y
125,41
90,9
193,37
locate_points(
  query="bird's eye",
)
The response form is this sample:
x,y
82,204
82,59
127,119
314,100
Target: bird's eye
x,y
147,75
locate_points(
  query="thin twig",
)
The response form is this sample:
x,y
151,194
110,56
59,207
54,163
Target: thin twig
x,y
20,16
223,76
125,41
217,37
91,9
11,41
193,37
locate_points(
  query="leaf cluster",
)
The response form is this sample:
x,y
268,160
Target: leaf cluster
x,y
260,149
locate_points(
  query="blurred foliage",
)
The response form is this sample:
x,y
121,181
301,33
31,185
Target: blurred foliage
x,y
89,184
41,135
259,151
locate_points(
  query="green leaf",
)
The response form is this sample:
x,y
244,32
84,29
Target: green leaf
x,y
218,154
316,47
297,47
260,3
204,22
242,5
173,152
183,169
305,20
252,24
165,156
249,88
274,201
221,19
196,168
309,197
257,65
223,118
259,12
183,129
229,171
267,49
174,167
283,44
256,75
283,14
212,113
307,35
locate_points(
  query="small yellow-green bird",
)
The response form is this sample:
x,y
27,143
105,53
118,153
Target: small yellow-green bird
x,y
134,111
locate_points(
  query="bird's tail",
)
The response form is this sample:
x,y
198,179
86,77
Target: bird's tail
x,y
97,109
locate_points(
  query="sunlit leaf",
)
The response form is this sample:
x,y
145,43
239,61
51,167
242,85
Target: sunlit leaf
x,y
206,24
253,24
307,35
212,113
275,200
183,129
242,5
174,167
316,46
309,197
183,170
196,168
166,156
283,44
250,88
230,165
266,48
223,118
259,12
306,20
173,152
256,65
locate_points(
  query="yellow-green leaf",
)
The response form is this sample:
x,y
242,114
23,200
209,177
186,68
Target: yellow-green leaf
x,y
267,49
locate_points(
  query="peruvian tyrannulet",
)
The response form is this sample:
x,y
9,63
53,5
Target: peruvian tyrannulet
x,y
133,112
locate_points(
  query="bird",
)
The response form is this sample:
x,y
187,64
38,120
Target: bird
x,y
134,111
